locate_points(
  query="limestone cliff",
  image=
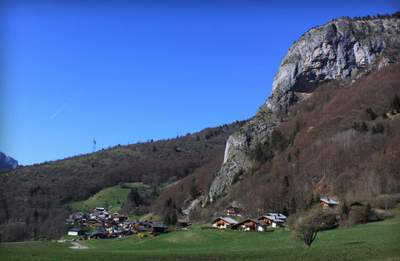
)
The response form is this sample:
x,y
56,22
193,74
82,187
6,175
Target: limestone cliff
x,y
342,49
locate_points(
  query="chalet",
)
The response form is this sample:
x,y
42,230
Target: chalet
x,y
119,217
278,216
329,203
250,224
233,210
223,222
271,220
157,228
96,234
183,224
75,232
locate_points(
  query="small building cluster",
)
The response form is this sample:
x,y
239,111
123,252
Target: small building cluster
x,y
111,225
249,224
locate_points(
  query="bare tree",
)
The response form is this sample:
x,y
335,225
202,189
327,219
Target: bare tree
x,y
309,223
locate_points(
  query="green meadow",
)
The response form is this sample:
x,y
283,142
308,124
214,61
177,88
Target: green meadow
x,y
112,196
372,241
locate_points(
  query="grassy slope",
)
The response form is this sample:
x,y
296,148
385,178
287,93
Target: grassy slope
x,y
373,241
106,197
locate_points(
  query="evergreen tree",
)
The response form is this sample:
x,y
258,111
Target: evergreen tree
x,y
289,157
293,205
193,189
369,113
134,197
395,104
364,127
167,219
173,218
345,209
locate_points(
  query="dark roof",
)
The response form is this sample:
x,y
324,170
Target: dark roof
x,y
75,229
233,206
159,225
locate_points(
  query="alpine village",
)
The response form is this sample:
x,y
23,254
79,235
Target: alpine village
x,y
315,174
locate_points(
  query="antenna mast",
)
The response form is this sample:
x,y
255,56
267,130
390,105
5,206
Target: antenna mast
x,y
94,145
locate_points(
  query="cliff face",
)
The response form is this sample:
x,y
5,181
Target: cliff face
x,y
342,49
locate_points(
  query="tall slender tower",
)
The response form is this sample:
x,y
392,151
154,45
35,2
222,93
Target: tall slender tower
x,y
94,145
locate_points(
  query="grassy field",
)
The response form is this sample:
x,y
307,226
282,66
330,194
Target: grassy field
x,y
373,241
112,196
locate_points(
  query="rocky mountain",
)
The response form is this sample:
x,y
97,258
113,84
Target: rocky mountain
x,y
7,162
343,49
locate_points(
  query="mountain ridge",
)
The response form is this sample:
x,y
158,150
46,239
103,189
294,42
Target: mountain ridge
x,y
7,162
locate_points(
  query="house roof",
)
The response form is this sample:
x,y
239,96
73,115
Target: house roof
x,y
251,219
158,225
329,201
278,215
233,206
272,218
75,229
227,219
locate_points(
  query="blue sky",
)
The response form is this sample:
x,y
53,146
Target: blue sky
x,y
129,71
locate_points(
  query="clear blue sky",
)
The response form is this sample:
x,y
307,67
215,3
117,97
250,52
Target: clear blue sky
x,y
129,71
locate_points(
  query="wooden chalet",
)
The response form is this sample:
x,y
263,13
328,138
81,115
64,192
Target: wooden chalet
x,y
119,217
183,224
223,223
272,220
157,228
250,224
329,203
233,210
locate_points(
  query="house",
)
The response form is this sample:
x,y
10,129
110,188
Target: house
x,y
75,232
223,223
119,217
271,220
278,216
329,203
157,228
250,224
233,210
96,234
183,224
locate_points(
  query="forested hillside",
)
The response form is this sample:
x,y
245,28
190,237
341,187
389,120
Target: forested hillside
x,y
343,141
32,197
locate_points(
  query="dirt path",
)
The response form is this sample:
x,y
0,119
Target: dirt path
x,y
78,246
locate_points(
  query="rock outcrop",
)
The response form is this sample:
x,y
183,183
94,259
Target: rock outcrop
x,y
7,162
342,49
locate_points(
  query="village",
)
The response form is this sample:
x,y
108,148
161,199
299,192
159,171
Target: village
x,y
114,225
